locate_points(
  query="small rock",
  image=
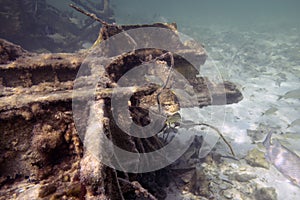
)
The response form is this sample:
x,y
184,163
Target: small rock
x,y
267,193
186,177
224,186
243,177
227,194
248,189
243,169
234,166
66,178
214,173
256,158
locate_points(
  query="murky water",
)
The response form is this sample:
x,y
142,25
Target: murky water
x,y
254,44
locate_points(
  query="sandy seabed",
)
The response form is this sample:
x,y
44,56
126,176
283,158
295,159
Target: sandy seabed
x,y
265,64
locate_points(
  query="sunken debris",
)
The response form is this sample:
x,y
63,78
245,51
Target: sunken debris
x,y
41,150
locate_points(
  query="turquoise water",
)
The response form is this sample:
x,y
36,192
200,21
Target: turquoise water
x,y
254,44
237,13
